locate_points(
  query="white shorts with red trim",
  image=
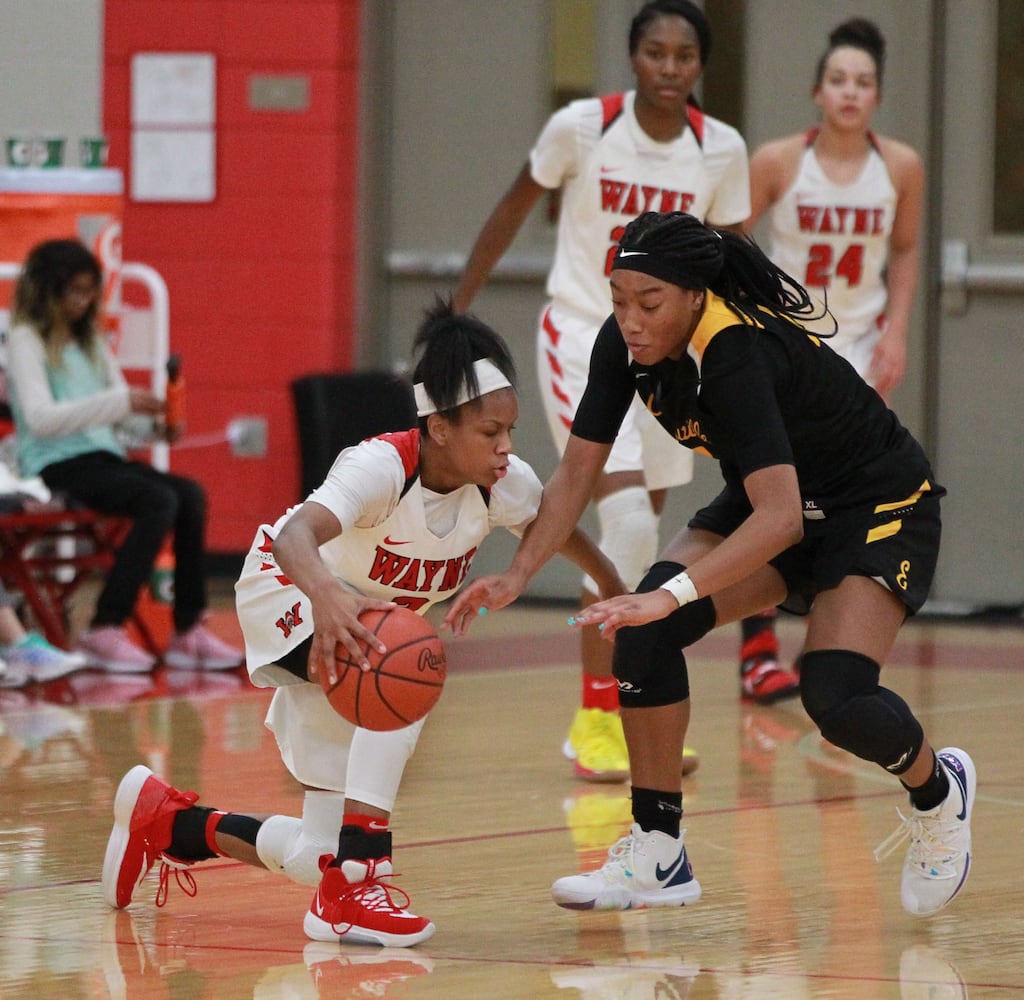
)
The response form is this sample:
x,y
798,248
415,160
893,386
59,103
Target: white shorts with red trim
x,y
564,344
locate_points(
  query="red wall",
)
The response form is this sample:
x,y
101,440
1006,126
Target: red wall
x,y
261,279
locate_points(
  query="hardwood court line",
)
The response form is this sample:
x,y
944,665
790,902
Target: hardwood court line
x,y
71,883
203,867
690,813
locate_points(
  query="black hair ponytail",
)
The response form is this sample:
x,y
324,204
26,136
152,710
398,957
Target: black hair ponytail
x,y
448,344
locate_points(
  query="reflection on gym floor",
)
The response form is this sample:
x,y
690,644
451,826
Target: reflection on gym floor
x,y
780,829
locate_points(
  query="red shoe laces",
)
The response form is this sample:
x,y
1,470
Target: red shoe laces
x,y
185,879
373,894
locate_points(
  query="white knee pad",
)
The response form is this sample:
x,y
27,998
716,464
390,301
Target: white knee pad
x,y
292,847
284,848
629,534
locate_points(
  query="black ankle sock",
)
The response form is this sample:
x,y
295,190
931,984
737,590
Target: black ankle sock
x,y
933,792
245,828
188,835
356,844
654,810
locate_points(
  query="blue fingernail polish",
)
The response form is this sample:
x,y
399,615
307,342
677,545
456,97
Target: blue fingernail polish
x,y
482,610
601,626
572,621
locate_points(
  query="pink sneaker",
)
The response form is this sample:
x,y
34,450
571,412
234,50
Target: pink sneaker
x,y
144,811
110,648
200,649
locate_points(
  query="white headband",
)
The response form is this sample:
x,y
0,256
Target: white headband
x,y
488,376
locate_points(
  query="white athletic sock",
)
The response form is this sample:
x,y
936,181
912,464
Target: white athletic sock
x,y
292,847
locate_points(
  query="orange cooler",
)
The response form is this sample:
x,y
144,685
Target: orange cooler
x,y
46,204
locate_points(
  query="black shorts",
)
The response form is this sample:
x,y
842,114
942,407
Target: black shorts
x,y
296,661
896,543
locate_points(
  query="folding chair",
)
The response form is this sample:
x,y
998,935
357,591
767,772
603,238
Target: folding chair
x,y
47,573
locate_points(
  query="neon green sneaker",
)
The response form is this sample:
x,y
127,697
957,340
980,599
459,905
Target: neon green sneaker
x,y
596,745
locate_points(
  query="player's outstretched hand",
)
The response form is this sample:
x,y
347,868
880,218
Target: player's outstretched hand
x,y
486,594
630,609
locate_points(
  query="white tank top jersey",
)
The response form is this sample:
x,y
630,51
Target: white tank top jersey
x,y
836,237
400,542
610,171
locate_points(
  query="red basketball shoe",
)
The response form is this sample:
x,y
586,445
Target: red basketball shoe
x,y
762,679
144,811
353,904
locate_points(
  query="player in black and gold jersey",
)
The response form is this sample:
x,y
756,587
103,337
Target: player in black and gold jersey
x,y
829,509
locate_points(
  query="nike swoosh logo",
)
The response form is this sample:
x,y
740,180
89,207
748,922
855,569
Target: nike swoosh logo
x,y
318,907
953,767
143,871
604,685
378,826
632,253
663,875
388,540
609,170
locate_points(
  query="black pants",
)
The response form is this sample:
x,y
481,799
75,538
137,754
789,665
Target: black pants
x,y
157,503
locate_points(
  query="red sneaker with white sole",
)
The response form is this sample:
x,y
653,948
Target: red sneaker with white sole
x,y
144,811
355,905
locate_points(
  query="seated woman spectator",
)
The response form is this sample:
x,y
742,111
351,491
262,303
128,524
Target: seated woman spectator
x,y
67,393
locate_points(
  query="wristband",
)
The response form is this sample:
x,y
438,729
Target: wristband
x,y
681,588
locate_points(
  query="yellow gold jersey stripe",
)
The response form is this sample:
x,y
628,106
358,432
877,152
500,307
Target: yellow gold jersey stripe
x,y
909,502
884,531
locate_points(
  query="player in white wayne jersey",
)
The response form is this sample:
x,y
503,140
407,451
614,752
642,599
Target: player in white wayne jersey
x,y
397,521
612,158
845,208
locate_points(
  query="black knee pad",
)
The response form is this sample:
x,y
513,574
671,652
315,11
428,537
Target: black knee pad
x,y
840,692
648,661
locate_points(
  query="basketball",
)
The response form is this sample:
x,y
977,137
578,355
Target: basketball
x,y
402,685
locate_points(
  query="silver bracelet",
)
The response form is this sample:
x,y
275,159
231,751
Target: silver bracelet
x,y
681,588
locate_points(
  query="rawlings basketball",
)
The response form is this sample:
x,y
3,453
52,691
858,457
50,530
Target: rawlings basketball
x,y
402,685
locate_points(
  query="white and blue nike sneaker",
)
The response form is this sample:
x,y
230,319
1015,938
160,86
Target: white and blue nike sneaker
x,y
939,856
643,869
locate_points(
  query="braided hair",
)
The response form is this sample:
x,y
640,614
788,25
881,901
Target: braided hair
x,y
450,343
733,267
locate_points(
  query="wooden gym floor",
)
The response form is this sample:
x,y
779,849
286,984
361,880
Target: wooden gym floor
x,y
780,831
